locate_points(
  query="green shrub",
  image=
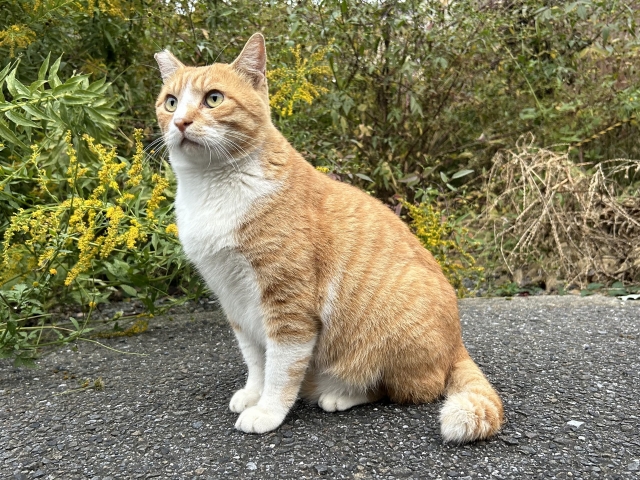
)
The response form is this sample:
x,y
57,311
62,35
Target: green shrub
x,y
448,242
79,222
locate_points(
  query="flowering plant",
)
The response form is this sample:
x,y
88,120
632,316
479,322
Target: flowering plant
x,y
78,222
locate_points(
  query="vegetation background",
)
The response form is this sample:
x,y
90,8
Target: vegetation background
x,y
504,132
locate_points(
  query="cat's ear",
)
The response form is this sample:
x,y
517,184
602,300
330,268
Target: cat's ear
x,y
168,64
252,61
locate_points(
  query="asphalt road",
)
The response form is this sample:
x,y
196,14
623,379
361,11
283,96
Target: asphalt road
x,y
567,369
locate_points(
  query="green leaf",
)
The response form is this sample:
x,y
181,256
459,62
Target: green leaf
x,y
461,173
364,177
129,290
8,135
15,86
64,88
99,86
44,67
75,323
5,71
53,79
35,112
19,119
444,177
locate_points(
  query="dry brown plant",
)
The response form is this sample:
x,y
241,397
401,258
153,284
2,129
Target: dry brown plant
x,y
576,222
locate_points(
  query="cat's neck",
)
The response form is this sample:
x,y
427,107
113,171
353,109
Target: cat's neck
x,y
221,187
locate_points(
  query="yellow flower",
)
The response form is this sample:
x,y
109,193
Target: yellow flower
x,y
92,305
53,271
294,84
126,197
172,229
131,236
73,170
322,169
135,171
19,36
111,240
161,184
109,170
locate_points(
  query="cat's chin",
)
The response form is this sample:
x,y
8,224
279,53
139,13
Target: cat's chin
x,y
187,144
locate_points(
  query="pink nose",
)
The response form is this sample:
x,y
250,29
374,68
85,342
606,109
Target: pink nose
x,y
182,124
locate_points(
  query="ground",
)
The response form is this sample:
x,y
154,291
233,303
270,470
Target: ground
x,y
567,369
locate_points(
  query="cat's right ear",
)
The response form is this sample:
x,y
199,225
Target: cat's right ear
x,y
168,64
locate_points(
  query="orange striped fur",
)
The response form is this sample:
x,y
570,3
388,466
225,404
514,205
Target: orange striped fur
x,y
329,294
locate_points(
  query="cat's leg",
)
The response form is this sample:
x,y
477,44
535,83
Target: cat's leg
x,y
336,395
285,368
254,358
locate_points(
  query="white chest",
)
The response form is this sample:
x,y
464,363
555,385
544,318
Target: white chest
x,y
210,209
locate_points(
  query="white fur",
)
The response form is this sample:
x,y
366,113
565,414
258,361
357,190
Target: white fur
x,y
254,357
336,395
458,420
328,307
273,406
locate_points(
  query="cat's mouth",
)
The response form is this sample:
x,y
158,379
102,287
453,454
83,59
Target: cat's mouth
x,y
187,142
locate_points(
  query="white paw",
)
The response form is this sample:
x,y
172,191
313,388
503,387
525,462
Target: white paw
x,y
258,420
331,402
243,399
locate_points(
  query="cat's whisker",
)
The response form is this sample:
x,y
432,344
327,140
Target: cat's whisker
x,y
227,141
235,145
210,152
242,138
158,153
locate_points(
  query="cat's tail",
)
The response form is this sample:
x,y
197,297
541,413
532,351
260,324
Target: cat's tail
x,y
472,409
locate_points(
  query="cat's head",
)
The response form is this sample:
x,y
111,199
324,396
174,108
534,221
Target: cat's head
x,y
214,114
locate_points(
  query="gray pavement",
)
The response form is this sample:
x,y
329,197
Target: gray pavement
x,y
567,369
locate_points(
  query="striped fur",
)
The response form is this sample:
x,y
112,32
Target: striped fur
x,y
329,293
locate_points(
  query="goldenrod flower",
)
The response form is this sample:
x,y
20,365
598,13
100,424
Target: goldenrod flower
x,y
293,83
161,184
53,271
135,171
109,170
73,170
111,240
16,36
172,229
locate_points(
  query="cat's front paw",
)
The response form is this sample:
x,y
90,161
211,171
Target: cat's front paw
x,y
258,420
243,399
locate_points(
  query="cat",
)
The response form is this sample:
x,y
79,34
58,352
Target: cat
x,y
330,295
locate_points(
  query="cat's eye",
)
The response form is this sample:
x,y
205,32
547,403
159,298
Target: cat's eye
x,y
213,99
171,103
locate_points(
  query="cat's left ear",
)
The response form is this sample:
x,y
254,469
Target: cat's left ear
x,y
252,61
168,64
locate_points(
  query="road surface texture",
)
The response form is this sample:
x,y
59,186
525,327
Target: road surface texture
x,y
567,369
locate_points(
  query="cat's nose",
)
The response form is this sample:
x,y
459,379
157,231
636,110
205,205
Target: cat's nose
x,y
182,123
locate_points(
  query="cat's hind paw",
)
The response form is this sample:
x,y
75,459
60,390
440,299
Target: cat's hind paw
x,y
258,420
332,402
243,399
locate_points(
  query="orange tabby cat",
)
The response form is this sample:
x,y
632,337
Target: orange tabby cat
x,y
328,292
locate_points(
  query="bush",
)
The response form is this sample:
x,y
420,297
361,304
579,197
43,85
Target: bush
x,y
79,222
575,222
450,244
